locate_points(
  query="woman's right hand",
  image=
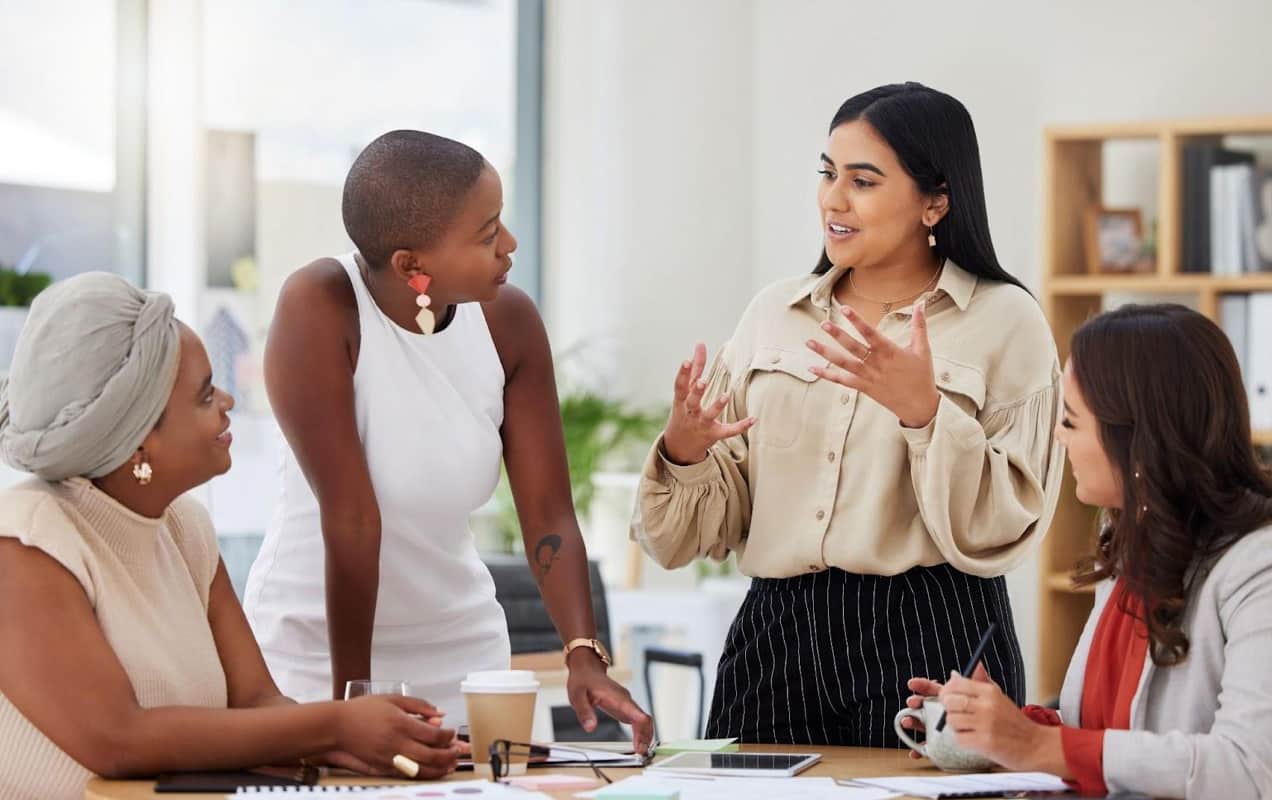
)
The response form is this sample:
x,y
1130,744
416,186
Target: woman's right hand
x,y
371,730
692,429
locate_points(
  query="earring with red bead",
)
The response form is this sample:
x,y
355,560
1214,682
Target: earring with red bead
x,y
425,318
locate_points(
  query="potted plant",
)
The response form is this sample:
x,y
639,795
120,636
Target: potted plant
x,y
17,290
602,435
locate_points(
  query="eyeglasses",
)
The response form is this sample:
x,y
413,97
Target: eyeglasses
x,y
502,750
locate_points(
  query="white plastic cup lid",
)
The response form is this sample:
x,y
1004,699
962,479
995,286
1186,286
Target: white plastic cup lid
x,y
501,681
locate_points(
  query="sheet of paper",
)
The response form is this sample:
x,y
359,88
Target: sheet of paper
x,y
698,746
712,788
983,781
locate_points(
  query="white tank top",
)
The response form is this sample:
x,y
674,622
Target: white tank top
x,y
428,409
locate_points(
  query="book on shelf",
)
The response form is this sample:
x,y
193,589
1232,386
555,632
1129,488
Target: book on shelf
x,y
1258,378
1240,219
1247,320
1234,318
1199,158
1260,239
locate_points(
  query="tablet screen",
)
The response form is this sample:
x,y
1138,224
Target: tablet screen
x,y
781,763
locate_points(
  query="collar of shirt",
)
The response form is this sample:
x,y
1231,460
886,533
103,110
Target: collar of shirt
x,y
955,282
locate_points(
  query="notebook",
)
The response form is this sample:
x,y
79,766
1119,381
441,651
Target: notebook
x,y
983,784
466,790
220,782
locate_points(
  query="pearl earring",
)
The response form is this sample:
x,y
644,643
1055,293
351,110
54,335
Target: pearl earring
x,y
425,318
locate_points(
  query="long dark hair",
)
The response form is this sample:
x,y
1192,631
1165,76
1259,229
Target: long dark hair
x,y
1164,384
933,137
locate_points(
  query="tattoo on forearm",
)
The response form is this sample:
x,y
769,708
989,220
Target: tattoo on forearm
x,y
545,552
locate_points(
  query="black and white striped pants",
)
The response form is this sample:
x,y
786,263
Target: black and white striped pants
x,y
823,658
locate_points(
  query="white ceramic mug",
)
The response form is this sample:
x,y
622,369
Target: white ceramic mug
x,y
938,746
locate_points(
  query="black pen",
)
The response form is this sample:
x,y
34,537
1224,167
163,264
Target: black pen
x,y
971,663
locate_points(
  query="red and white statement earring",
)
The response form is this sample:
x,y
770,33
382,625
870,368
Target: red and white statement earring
x,y
425,318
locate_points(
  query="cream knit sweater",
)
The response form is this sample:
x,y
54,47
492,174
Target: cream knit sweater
x,y
148,582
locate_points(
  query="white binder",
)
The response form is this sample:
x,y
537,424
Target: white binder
x,y
1259,363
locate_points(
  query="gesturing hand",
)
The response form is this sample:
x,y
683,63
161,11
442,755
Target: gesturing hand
x,y
692,429
898,378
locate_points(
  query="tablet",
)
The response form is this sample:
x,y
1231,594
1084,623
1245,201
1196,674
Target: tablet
x,y
760,765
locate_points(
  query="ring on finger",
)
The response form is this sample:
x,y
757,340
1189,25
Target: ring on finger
x,y
407,766
866,357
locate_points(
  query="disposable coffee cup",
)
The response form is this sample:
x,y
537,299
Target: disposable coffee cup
x,y
500,706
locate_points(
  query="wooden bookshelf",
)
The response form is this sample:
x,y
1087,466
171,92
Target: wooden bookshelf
x,y
1073,178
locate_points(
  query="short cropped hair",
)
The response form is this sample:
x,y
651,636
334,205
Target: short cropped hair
x,y
404,189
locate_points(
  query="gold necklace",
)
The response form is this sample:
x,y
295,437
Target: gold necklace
x,y
886,305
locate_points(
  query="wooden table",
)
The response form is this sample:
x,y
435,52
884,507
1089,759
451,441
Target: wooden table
x,y
836,762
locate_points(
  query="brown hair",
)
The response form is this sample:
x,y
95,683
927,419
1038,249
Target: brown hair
x,y
1164,384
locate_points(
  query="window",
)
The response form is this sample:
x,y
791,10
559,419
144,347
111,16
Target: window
x,y
290,93
71,175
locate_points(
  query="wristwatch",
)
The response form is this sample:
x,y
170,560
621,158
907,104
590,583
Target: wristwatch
x,y
595,644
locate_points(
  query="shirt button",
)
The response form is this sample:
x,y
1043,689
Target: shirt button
x,y
814,567
830,457
821,514
945,377
844,399
775,359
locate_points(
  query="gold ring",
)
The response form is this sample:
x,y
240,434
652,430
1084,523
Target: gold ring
x,y
408,767
866,357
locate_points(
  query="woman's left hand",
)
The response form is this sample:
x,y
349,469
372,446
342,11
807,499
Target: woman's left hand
x,y
590,687
987,721
898,378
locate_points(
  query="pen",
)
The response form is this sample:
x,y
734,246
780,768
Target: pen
x,y
971,663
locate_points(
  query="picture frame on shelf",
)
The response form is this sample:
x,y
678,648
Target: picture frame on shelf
x,y
1115,241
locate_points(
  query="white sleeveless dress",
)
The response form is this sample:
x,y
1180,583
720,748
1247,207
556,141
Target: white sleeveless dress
x,y
429,409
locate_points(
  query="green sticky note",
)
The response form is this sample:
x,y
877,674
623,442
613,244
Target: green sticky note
x,y
698,746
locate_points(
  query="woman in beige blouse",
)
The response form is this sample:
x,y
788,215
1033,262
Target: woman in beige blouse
x,y
874,442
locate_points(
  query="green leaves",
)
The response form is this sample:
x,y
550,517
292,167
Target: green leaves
x,y
18,289
600,433
597,427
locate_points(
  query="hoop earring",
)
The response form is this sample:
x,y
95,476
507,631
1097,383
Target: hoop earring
x,y
425,318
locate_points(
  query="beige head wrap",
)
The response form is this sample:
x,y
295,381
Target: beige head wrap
x,y
94,366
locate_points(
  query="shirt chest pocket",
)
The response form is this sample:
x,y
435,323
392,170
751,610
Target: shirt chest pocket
x,y
960,383
778,382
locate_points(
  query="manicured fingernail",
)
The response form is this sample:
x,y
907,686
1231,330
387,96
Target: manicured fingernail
x,y
827,327
684,365
724,398
701,385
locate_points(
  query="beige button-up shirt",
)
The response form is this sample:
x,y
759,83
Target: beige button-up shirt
x,y
829,478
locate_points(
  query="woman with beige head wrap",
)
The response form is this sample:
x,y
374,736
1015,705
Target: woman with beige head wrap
x,y
110,404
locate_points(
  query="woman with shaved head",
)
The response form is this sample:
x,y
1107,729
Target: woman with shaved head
x,y
403,373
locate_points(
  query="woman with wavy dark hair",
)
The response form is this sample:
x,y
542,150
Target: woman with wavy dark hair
x,y
1168,692
874,441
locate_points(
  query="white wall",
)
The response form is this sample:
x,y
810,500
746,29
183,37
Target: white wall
x,y
682,139
647,182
